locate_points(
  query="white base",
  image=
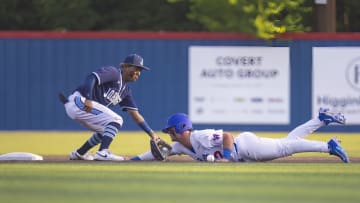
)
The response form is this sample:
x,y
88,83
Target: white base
x,y
20,156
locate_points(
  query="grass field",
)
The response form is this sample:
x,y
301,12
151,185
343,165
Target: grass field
x,y
82,182
179,182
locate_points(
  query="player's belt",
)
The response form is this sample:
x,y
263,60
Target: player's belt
x,y
62,98
81,106
238,156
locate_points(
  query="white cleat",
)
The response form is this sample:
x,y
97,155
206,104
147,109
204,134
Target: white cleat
x,y
106,155
74,155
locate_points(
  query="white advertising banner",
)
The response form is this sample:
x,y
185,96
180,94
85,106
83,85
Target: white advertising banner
x,y
336,81
239,85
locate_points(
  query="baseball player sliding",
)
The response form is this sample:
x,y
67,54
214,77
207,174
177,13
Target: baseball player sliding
x,y
90,105
247,147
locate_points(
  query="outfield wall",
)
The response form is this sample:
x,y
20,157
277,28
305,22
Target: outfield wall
x,y
35,66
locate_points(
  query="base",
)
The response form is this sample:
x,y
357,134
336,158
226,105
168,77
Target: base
x,y
20,156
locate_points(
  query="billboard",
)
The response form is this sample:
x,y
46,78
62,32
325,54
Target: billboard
x,y
336,81
239,85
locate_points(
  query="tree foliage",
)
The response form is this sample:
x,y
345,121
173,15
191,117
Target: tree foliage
x,y
348,15
18,14
95,15
263,18
65,14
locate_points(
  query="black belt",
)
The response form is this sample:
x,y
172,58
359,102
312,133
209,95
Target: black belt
x,y
237,153
62,98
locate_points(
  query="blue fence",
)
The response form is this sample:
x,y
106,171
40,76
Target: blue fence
x,y
33,70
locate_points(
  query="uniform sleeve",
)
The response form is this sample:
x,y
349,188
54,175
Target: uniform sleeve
x,y
128,102
147,156
178,149
107,74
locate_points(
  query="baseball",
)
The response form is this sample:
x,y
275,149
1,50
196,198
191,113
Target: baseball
x,y
165,150
210,158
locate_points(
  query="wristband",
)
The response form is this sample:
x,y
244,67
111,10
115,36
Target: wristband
x,y
143,125
227,153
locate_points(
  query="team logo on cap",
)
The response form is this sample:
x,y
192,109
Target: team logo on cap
x,y
141,61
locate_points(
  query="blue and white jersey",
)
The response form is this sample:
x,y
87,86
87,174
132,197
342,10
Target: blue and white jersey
x,y
110,90
204,143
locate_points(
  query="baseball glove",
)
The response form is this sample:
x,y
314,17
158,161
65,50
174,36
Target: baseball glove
x,y
160,149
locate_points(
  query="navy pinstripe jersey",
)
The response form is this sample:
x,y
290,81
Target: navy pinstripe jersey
x,y
110,89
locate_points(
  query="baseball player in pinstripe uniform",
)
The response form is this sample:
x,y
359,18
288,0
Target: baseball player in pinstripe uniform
x,y
247,147
90,105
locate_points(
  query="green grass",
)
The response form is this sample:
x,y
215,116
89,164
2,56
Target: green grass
x,y
179,182
146,182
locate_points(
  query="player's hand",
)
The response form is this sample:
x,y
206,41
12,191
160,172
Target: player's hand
x,y
154,137
88,105
160,149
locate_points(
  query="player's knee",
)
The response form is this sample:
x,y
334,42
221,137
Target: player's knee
x,y
116,125
118,122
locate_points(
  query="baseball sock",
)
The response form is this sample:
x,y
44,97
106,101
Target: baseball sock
x,y
109,134
92,141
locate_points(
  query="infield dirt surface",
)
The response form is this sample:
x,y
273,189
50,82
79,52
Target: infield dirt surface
x,y
291,159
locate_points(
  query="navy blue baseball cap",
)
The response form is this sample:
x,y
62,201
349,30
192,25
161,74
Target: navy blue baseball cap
x,y
135,60
180,121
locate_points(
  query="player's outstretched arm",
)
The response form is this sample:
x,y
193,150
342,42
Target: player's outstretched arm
x,y
176,149
139,119
147,156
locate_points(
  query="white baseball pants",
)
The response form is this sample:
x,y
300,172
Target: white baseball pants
x,y
253,148
96,120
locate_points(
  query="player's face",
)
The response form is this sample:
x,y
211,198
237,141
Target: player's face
x,y
173,134
131,73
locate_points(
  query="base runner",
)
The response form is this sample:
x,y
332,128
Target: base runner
x,y
247,147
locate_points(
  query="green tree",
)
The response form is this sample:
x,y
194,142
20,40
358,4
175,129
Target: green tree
x,y
143,15
278,16
127,15
348,16
65,14
18,14
263,18
46,15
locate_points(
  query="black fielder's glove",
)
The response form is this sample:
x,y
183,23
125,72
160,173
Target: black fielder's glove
x,y
160,149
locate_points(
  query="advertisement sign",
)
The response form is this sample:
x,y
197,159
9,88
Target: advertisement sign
x,y
336,81
239,85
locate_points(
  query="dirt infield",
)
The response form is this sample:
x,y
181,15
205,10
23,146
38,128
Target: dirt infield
x,y
188,159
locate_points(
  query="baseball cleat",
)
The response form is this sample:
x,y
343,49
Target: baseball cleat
x,y
74,155
329,117
106,155
337,150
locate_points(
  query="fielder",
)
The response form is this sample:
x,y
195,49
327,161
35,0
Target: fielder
x,y
247,147
90,105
